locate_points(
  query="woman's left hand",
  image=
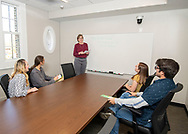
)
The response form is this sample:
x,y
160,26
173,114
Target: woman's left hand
x,y
132,93
127,85
112,100
56,78
62,79
87,53
81,53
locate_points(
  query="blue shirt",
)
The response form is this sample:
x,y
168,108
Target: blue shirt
x,y
153,95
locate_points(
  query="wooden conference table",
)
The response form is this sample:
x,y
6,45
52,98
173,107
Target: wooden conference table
x,y
62,108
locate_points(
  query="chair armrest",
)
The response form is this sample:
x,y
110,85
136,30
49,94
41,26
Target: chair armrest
x,y
135,111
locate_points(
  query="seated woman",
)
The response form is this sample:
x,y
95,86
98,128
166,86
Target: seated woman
x,y
138,79
19,84
38,76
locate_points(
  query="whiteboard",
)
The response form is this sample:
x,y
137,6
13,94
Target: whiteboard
x,y
119,52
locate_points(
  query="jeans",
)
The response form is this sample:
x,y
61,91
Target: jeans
x,y
116,107
122,112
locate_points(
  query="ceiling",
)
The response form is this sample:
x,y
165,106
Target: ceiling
x,y
81,9
52,5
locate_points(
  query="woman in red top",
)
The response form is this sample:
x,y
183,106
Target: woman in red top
x,y
80,53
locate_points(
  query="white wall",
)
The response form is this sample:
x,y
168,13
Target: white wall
x,y
37,20
170,37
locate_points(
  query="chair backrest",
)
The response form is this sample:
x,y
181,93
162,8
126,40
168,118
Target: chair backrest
x,y
68,70
107,128
160,123
148,82
4,81
28,73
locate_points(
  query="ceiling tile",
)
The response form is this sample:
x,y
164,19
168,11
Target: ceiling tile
x,y
99,1
77,3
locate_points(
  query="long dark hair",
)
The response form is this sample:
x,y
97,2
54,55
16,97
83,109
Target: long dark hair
x,y
143,72
37,61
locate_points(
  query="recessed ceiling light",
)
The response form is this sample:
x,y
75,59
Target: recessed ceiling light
x,y
64,1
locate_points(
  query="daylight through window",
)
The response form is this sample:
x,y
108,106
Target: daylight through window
x,y
10,31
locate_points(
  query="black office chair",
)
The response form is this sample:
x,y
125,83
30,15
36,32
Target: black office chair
x,y
148,82
4,81
68,70
28,73
159,119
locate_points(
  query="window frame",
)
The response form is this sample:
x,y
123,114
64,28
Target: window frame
x,y
21,22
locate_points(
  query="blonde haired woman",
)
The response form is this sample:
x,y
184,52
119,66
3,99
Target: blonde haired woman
x,y
19,84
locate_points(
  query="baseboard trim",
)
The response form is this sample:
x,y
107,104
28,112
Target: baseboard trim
x,y
180,105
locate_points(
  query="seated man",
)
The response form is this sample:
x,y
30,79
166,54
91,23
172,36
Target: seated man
x,y
166,69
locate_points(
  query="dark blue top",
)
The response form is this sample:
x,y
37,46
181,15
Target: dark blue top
x,y
152,95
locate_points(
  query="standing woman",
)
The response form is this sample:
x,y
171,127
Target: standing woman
x,y
19,84
80,53
38,76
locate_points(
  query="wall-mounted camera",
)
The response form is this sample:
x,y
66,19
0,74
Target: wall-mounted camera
x,y
139,19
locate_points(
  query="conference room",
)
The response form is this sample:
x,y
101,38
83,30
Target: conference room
x,y
119,34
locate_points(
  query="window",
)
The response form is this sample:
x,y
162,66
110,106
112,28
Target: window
x,y
10,31
13,43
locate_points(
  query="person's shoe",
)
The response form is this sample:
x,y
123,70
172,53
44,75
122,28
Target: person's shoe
x,y
105,116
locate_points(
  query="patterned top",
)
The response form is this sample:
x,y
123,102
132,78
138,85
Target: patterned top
x,y
153,95
17,86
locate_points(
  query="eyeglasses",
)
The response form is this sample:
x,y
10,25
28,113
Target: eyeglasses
x,y
156,67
